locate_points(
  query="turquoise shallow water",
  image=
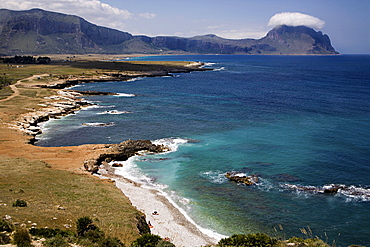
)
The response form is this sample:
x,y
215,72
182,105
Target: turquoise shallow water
x,y
293,121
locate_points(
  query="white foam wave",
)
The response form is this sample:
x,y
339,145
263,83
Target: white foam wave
x,y
264,184
206,231
74,86
172,143
351,192
219,69
98,124
208,64
216,177
125,95
114,112
135,79
103,106
132,171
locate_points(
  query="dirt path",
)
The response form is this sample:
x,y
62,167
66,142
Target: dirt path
x,y
14,143
15,92
19,82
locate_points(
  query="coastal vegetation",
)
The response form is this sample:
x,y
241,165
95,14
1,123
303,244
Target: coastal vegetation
x,y
88,234
4,81
25,60
44,191
58,198
48,186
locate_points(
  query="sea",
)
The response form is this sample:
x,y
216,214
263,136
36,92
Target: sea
x,y
299,123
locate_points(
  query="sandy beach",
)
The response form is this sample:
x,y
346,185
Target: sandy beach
x,y
169,222
17,132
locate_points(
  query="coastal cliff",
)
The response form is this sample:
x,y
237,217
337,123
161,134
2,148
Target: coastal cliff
x,y
38,31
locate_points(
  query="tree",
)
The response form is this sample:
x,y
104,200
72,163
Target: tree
x,y
146,240
85,224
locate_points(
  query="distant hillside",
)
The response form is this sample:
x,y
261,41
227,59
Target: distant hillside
x,y
42,32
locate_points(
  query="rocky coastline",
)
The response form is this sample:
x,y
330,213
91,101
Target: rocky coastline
x,y
61,104
121,152
67,101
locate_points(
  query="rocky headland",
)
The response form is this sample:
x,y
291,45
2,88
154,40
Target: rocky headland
x,y
66,101
50,32
62,104
121,152
37,98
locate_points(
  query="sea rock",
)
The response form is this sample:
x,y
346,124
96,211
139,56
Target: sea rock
x,y
332,189
240,177
123,151
117,165
90,164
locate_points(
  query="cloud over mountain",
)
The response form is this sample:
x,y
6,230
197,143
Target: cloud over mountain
x,y
92,10
296,19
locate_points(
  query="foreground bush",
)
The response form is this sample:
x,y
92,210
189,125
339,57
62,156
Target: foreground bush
x,y
4,239
248,240
50,233
57,241
85,224
309,242
146,240
91,235
22,238
164,243
5,226
20,203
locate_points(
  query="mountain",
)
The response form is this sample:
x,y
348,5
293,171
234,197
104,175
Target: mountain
x,y
38,31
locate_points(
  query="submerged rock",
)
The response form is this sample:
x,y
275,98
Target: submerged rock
x,y
240,177
283,177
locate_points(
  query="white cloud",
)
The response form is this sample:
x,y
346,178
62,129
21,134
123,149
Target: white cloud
x,y
296,19
92,10
148,15
241,34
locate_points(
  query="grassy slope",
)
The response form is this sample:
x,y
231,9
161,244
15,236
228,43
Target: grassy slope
x,y
25,168
44,189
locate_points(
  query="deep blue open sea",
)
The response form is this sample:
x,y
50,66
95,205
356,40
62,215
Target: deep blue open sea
x,y
299,122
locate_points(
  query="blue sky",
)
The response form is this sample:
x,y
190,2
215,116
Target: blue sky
x,y
347,22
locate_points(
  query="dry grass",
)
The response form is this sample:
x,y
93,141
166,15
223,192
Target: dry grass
x,y
45,190
25,169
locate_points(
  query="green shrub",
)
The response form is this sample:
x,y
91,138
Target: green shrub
x,y
163,243
4,81
5,226
111,242
310,242
146,240
57,241
95,235
22,238
20,203
86,242
49,233
4,239
85,224
251,240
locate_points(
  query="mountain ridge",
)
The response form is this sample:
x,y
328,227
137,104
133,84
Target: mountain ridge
x,y
37,31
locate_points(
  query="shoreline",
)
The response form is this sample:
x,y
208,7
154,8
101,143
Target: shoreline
x,y
171,223
66,101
